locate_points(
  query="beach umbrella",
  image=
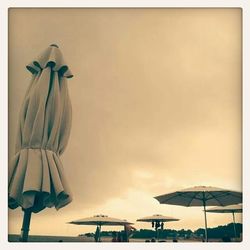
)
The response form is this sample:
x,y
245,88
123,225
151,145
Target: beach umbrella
x,y
201,196
36,176
157,221
237,208
99,221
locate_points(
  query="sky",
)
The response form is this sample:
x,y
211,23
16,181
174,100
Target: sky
x,y
156,101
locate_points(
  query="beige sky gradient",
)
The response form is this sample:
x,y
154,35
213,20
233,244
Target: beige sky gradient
x,y
156,99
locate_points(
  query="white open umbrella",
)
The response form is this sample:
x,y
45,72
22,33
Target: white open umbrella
x,y
36,175
101,220
201,196
157,220
237,208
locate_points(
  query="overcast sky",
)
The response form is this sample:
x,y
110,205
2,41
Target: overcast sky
x,y
156,99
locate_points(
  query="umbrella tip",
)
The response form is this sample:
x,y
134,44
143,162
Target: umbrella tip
x,y
54,45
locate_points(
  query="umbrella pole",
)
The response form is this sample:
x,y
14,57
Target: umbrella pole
x,y
205,215
156,232
100,233
234,226
26,225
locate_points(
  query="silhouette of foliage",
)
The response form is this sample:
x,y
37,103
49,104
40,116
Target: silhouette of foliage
x,y
221,231
215,233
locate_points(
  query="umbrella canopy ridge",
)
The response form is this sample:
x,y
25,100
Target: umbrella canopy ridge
x,y
101,220
36,175
157,217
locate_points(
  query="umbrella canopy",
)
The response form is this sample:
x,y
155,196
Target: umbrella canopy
x,y
237,208
157,221
196,196
157,217
228,209
36,175
201,196
101,220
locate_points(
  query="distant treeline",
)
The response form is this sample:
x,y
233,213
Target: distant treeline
x,y
220,231
215,233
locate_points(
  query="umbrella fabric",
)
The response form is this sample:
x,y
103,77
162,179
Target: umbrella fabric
x,y
197,195
36,174
100,220
227,209
157,217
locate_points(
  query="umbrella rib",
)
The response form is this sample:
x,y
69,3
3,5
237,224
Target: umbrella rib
x,y
168,199
226,193
187,196
216,198
232,194
192,198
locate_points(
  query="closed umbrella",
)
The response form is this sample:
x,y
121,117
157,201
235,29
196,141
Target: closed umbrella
x,y
228,209
99,221
157,221
201,196
36,176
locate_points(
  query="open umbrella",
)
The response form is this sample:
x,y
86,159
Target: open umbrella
x,y
157,221
228,209
201,196
36,175
99,221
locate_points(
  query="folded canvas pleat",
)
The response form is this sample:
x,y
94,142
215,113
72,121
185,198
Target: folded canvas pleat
x,y
38,171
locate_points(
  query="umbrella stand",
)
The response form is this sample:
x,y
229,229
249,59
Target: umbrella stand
x,y
26,225
234,226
